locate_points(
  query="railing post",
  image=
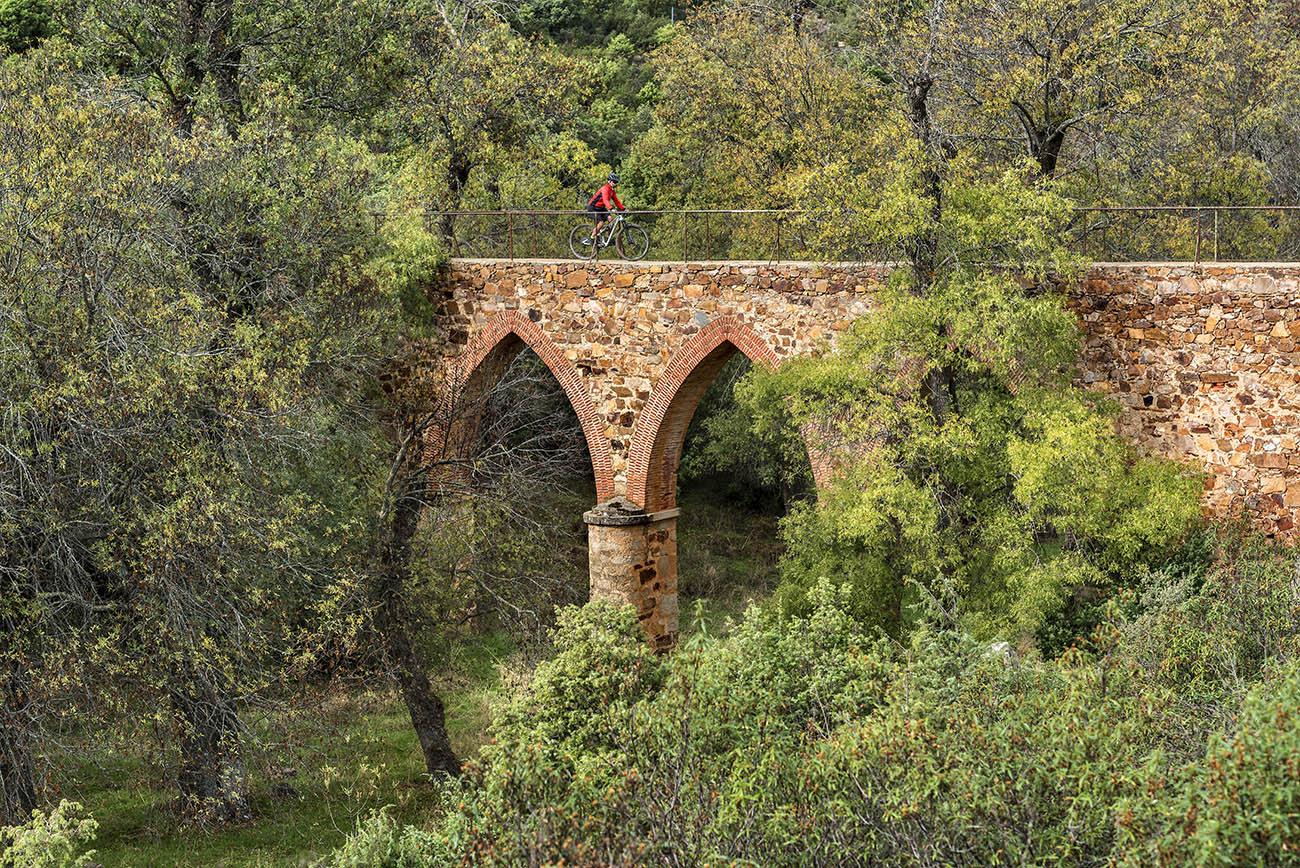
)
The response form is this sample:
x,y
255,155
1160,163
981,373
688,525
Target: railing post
x,y
1197,257
1216,234
777,250
510,236
683,235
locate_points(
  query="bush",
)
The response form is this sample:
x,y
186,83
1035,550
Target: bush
x,y
581,699
798,740
1240,804
1207,633
54,840
972,758
380,842
807,739
549,784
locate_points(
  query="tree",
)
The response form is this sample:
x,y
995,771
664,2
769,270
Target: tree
x,y
457,463
177,313
479,98
23,24
972,469
746,108
1045,71
334,61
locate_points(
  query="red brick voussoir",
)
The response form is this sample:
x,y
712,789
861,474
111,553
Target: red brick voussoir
x,y
661,426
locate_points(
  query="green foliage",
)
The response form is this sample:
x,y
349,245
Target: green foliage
x,y
183,314
793,741
581,699
409,252
23,24
584,781
381,842
1209,625
1237,805
974,756
54,839
1073,473
725,448
745,112
966,459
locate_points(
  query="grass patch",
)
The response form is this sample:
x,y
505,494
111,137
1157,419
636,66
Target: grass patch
x,y
343,755
727,556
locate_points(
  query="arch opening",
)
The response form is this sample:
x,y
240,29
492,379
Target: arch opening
x,y
661,431
480,372
733,489
711,550
513,470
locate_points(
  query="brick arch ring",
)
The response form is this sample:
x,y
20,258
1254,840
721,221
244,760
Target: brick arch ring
x,y
507,324
661,427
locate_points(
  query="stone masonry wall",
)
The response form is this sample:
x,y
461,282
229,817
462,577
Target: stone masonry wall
x,y
1205,359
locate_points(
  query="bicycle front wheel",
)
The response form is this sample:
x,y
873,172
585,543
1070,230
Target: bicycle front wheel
x,y
633,242
581,244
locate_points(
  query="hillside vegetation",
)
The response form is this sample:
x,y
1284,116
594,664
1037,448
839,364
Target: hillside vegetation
x,y
249,618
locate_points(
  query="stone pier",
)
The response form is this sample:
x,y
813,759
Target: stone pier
x,y
633,559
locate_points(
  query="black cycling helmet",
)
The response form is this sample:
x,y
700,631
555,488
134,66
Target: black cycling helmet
x,y
613,177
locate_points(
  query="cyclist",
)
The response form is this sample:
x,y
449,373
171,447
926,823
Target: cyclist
x,y
601,202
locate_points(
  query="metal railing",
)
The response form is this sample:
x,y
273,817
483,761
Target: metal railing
x,y
1133,233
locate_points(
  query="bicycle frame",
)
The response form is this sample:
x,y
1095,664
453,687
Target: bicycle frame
x,y
610,230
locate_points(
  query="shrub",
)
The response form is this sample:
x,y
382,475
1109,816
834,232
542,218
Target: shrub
x,y
581,699
807,739
380,842
1238,805
972,758
1207,634
549,784
800,740
49,840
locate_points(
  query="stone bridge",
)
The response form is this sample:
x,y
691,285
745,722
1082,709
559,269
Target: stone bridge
x,y
1203,359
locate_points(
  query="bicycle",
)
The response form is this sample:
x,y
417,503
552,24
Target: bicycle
x,y
629,239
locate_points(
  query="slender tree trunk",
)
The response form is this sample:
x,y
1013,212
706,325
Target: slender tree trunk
x,y
458,169
17,775
225,61
925,250
212,777
428,715
1046,151
425,707
186,91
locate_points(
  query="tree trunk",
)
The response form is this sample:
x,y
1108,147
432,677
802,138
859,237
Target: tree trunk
x,y
1046,151
17,775
212,778
425,707
225,62
925,250
184,93
428,715
458,169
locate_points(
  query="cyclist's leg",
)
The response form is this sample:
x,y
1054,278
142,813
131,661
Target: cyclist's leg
x,y
601,214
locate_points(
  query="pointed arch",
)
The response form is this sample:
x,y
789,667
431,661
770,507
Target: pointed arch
x,y
503,337
661,428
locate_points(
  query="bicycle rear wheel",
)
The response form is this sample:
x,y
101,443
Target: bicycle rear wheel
x,y
633,242
579,234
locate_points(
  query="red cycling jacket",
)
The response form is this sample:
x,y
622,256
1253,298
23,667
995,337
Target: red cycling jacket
x,y
605,198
